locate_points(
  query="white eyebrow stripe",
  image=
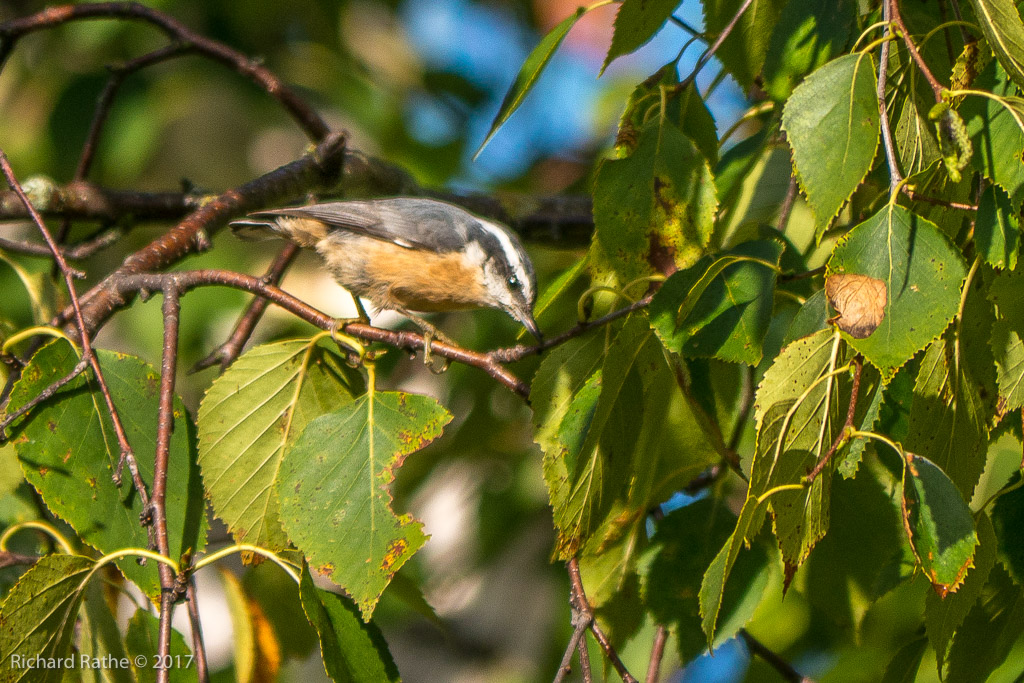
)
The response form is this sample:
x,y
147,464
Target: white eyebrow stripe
x,y
512,255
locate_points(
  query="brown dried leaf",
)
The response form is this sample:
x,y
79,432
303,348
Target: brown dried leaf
x,y
860,302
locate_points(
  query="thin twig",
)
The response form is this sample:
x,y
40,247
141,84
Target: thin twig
x,y
580,625
933,83
226,353
686,27
9,559
913,194
165,425
657,653
127,455
713,48
580,598
127,285
841,437
883,113
784,668
303,114
198,647
75,252
43,395
519,352
786,208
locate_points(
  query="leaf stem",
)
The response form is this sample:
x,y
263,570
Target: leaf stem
x,y
47,529
246,547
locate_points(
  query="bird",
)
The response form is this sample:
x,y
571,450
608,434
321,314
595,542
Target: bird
x,y
410,254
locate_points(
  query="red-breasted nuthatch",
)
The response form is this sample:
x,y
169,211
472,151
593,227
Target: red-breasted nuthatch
x,y
412,254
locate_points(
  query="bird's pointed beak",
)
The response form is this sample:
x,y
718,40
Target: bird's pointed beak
x,y
526,318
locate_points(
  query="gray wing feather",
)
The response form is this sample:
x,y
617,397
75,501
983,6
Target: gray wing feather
x,y
407,222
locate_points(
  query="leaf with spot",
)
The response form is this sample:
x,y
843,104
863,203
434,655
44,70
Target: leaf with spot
x,y
686,109
253,413
720,307
334,489
38,616
636,23
529,72
743,51
831,122
947,418
938,523
922,272
68,452
353,651
654,210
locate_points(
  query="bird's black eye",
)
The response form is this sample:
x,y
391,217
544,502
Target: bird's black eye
x,y
513,282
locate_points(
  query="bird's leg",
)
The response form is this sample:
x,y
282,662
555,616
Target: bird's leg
x,y
342,339
430,333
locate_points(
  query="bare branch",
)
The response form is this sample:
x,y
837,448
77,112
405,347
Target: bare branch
x,y
127,456
225,354
657,653
165,425
784,668
298,108
580,599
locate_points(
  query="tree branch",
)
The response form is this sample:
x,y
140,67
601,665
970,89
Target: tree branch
x,y
784,668
165,425
657,652
579,597
303,114
842,436
936,87
127,455
225,354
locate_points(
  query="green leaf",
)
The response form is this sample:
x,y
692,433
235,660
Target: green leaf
x,y
529,73
903,666
1008,520
720,307
1004,31
636,23
997,229
680,550
142,638
808,34
556,289
922,273
989,631
68,453
743,51
939,524
685,109
810,318
947,418
99,639
353,651
1008,349
589,457
997,138
654,210
334,489
831,122
251,415
943,616
38,616
915,140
